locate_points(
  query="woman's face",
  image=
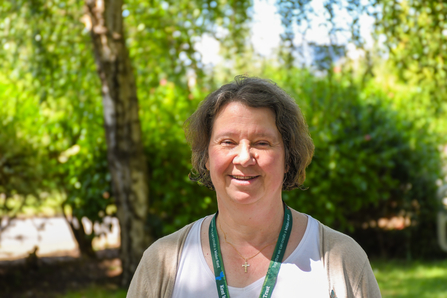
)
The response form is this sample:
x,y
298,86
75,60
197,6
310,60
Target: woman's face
x,y
246,155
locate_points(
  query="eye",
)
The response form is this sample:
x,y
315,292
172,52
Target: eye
x,y
227,142
263,143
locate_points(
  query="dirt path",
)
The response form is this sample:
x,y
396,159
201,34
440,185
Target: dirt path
x,y
52,237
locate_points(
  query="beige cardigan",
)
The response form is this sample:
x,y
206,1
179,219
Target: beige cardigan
x,y
348,269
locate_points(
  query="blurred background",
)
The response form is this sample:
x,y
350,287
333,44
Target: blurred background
x,y
93,159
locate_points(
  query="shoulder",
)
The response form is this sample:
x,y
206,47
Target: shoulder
x,y
155,274
168,244
338,244
347,265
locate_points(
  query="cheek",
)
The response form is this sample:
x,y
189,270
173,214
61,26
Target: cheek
x,y
217,161
273,163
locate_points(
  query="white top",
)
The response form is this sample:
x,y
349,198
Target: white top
x,y
301,275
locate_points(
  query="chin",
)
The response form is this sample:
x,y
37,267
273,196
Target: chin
x,y
244,198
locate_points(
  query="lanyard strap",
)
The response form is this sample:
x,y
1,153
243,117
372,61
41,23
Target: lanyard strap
x,y
275,262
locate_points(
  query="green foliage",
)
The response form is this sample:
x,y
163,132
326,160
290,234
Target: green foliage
x,y
415,35
175,200
373,158
21,157
46,53
411,33
88,187
20,171
371,161
162,36
338,24
46,48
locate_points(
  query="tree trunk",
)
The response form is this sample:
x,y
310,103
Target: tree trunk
x,y
125,155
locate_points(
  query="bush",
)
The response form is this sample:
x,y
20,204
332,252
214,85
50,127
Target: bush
x,y
21,158
174,200
370,162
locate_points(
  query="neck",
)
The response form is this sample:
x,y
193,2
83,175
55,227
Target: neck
x,y
251,224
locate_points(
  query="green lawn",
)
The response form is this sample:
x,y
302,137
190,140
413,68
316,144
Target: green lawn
x,y
396,279
411,279
97,292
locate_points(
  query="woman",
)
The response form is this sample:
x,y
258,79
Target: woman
x,y
249,142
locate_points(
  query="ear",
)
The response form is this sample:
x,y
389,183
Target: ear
x,y
207,164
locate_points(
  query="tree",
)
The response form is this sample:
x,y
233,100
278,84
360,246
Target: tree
x,y
127,162
412,33
121,119
415,34
47,49
45,59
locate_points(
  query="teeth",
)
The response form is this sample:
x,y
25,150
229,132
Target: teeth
x,y
244,177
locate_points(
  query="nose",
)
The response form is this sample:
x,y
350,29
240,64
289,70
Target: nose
x,y
244,156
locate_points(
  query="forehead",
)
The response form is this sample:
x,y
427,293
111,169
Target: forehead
x,y
236,116
235,106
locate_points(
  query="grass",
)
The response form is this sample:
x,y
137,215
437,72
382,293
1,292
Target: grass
x,y
411,279
421,279
96,292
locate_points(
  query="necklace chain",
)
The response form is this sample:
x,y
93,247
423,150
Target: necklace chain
x,y
246,259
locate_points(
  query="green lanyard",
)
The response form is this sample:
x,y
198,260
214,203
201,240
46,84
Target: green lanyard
x,y
275,262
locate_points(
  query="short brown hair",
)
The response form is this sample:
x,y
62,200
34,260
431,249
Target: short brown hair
x,y
255,93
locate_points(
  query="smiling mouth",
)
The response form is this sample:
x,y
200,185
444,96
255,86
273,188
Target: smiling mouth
x,y
243,177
